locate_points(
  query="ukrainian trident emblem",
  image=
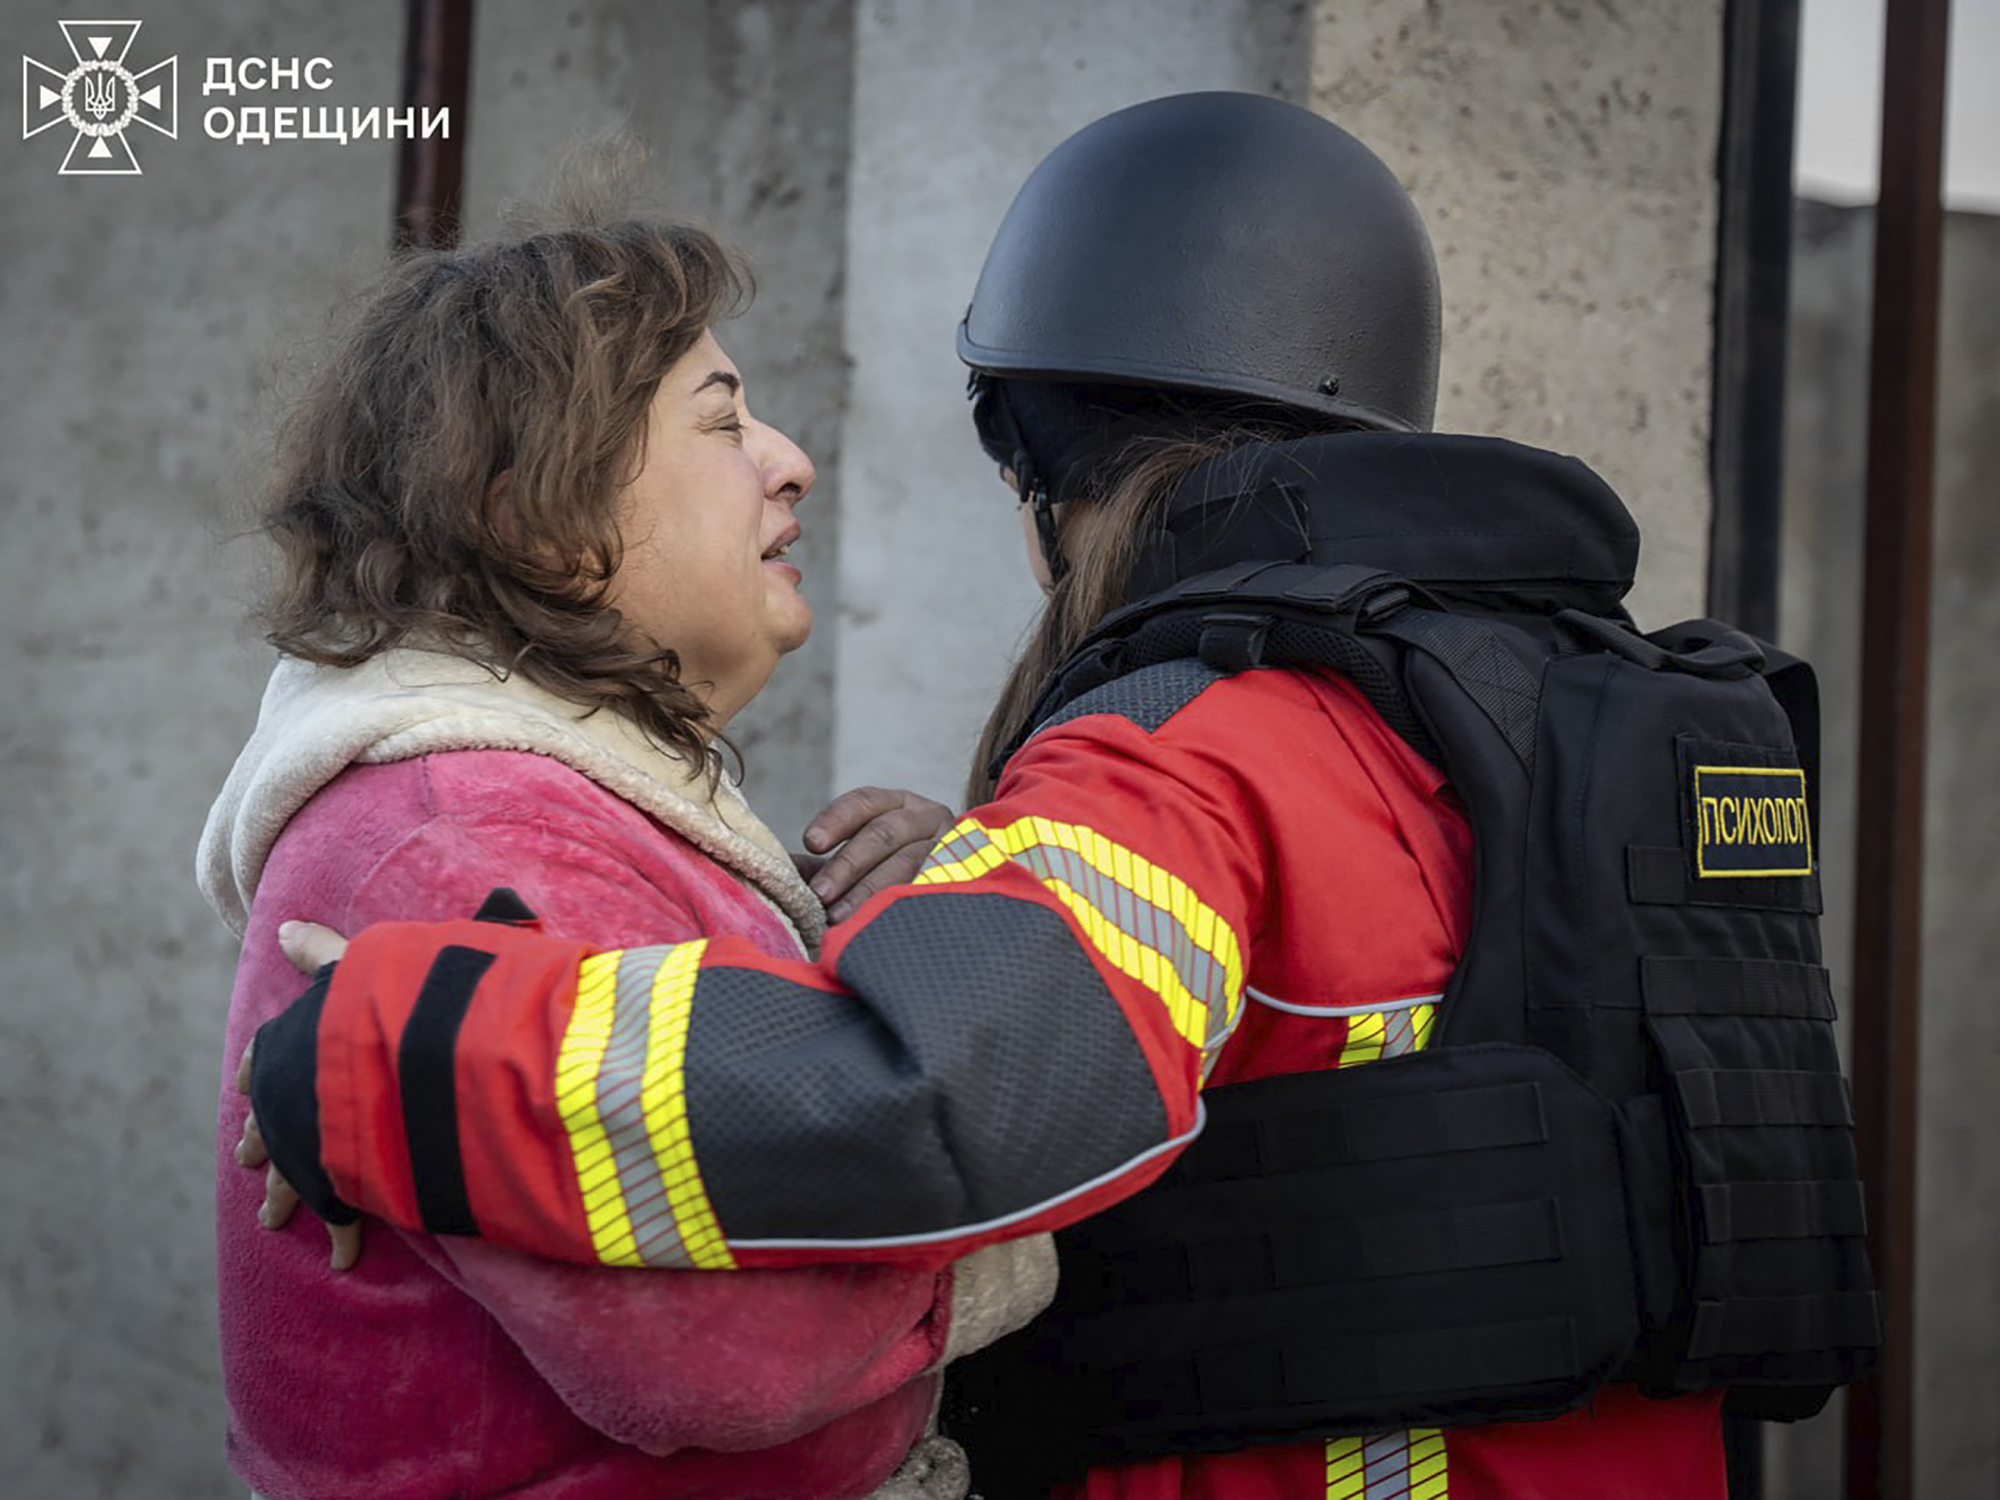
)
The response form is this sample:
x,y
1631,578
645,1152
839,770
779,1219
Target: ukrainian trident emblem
x,y
99,98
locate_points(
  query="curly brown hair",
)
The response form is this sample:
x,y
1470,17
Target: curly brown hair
x,y
450,474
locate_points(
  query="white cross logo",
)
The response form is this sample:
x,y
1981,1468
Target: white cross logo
x,y
100,97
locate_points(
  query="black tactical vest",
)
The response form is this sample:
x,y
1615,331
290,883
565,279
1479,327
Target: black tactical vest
x,y
1627,1152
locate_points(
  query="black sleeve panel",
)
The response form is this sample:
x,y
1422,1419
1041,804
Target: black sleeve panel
x,y
283,1094
980,1068
1148,697
427,1074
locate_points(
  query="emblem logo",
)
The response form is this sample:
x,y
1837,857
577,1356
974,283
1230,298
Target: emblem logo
x,y
99,98
1750,822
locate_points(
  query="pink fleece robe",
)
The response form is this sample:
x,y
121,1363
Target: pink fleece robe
x,y
441,1367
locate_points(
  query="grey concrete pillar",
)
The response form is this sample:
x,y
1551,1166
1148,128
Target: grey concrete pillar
x,y
955,102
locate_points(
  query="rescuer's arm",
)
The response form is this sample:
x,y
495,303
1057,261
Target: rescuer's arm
x,y
1006,1044
661,1362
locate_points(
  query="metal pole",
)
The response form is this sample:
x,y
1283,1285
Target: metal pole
x,y
1752,296
430,171
1753,259
1896,598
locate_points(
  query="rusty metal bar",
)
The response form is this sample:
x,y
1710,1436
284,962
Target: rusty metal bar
x,y
437,75
1896,600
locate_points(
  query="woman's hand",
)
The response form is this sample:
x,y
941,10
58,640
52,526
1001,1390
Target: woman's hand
x,y
308,946
871,838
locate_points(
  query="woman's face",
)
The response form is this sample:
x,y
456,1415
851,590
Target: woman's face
x,y
705,525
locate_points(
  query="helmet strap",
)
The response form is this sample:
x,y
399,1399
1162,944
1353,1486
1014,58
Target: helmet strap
x,y
1035,493
1000,435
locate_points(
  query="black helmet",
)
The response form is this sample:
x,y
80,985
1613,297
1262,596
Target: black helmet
x,y
1220,243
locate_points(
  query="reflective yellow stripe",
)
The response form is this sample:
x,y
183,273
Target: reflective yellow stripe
x,y
1344,1479
587,1071
1428,1477
1118,899
1389,1466
946,872
577,1064
1363,1042
1392,1465
663,1095
1377,1034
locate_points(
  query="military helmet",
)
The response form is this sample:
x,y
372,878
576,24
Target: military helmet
x,y
1222,243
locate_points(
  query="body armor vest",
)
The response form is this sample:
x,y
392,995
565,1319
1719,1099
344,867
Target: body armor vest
x,y
1627,1152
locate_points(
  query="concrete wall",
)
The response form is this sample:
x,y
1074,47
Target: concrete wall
x,y
1958,1185
143,321
862,152
956,101
1563,155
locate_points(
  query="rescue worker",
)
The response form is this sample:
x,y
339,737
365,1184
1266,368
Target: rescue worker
x,y
1205,342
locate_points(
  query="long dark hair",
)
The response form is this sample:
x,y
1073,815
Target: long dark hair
x,y
1110,502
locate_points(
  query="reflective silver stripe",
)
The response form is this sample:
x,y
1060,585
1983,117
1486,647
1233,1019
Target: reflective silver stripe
x,y
970,851
1366,1008
620,1079
1222,1024
1388,1466
960,1231
1386,1462
963,843
1399,1033
1149,925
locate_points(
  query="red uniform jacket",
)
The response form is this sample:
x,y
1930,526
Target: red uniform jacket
x,y
1198,881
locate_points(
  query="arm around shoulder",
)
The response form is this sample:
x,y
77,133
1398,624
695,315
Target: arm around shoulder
x,y
655,1358
1006,1044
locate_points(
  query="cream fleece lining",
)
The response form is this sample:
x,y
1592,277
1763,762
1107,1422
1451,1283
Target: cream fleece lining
x,y
317,721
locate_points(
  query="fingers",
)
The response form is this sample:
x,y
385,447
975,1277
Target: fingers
x,y
897,868
280,1201
346,1239
883,836
310,946
845,815
250,1150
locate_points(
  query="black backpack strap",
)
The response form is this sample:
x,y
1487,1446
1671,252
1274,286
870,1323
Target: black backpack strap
x,y
1245,615
1494,678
